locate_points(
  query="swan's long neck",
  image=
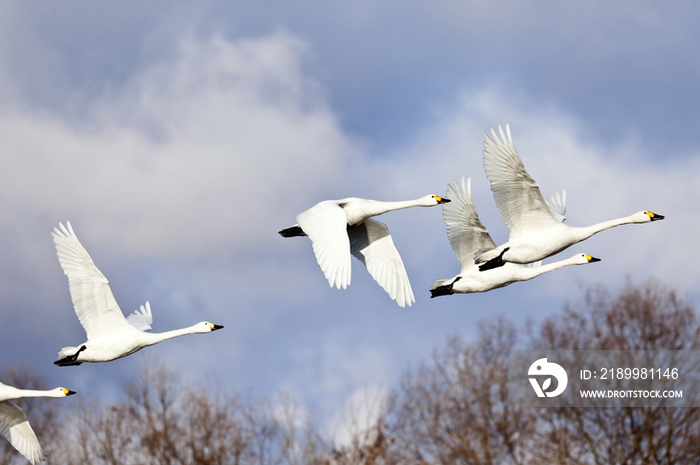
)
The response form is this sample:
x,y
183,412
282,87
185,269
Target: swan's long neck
x,y
17,393
155,338
533,272
587,231
377,208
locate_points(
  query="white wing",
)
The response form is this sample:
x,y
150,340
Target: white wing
x,y
517,195
557,205
326,225
93,300
371,243
466,232
16,429
141,319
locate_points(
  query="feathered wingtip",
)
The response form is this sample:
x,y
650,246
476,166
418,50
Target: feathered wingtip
x,y
65,231
141,319
557,205
456,192
505,137
33,456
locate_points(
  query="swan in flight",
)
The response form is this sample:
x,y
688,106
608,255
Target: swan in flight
x,y
467,234
535,234
14,424
338,228
109,335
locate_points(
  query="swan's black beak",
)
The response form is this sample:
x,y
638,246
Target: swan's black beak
x,y
443,200
592,259
69,393
215,327
655,217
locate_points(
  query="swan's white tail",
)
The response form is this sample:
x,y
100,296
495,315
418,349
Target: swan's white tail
x,y
67,351
439,282
69,356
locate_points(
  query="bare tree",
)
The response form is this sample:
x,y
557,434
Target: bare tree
x,y
454,410
160,422
363,438
645,317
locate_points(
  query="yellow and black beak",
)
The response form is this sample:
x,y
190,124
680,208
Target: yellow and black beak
x,y
591,259
655,217
215,327
441,199
67,392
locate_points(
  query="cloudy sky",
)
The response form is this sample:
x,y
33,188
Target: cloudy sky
x,y
179,137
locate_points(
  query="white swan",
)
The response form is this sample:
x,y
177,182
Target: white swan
x,y
467,235
338,228
14,424
109,335
534,232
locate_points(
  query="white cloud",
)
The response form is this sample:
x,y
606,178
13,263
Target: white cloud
x,y
199,153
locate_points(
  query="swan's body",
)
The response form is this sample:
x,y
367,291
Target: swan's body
x,y
467,235
535,234
109,335
14,424
339,228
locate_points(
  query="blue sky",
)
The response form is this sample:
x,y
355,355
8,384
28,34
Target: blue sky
x,y
179,137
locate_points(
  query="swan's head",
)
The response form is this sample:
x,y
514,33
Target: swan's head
x,y
583,258
61,392
206,327
647,216
432,200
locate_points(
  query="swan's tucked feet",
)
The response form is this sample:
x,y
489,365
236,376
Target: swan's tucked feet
x,y
70,360
293,231
494,262
445,289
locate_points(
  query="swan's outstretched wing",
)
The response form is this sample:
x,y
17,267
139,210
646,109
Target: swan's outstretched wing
x,y
16,429
326,225
93,300
141,319
517,195
371,243
557,205
466,232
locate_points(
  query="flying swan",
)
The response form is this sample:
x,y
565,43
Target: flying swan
x,y
14,424
467,234
109,335
534,232
338,228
